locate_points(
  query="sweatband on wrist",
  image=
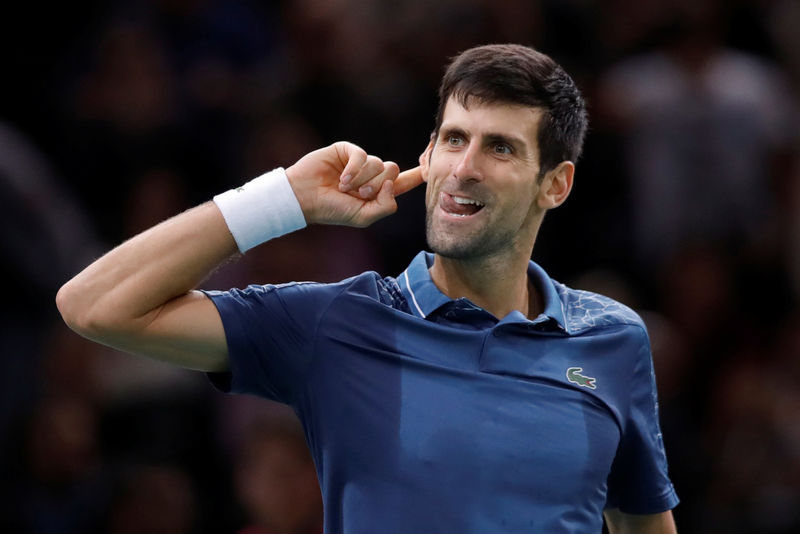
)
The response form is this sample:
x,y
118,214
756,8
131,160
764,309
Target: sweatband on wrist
x,y
262,209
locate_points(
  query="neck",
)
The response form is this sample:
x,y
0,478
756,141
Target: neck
x,y
499,285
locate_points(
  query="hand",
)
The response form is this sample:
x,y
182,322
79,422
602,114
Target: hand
x,y
341,184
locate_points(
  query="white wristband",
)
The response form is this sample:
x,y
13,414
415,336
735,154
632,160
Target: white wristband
x,y
262,209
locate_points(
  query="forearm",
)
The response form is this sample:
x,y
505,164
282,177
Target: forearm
x,y
126,288
622,523
139,297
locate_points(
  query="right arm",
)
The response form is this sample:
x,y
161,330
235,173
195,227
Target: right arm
x,y
140,297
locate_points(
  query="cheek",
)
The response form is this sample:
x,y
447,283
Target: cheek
x,y
533,208
428,194
530,190
437,173
522,201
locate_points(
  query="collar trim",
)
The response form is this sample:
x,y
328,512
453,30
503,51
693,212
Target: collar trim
x,y
413,297
423,295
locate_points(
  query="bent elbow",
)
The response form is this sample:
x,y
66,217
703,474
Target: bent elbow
x,y
76,311
70,309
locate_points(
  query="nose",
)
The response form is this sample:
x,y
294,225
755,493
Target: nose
x,y
468,167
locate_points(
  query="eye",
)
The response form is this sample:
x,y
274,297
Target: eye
x,y
455,140
502,148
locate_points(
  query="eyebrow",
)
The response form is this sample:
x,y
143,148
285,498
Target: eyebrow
x,y
444,131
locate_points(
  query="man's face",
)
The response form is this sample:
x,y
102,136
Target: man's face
x,y
481,174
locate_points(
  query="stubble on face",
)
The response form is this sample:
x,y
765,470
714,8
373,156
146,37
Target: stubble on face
x,y
485,241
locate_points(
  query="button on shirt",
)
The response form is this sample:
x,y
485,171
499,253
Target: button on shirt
x,y
426,414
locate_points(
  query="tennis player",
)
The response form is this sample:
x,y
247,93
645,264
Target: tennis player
x,y
472,393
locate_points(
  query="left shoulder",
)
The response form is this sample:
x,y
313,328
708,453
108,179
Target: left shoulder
x,y
584,310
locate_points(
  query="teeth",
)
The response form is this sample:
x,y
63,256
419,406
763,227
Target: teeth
x,y
462,200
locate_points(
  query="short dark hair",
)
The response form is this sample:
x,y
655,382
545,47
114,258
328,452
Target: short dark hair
x,y
519,74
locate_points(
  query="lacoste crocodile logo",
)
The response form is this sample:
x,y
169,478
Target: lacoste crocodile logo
x,y
574,375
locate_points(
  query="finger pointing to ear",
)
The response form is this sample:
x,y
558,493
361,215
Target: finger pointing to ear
x,y
408,180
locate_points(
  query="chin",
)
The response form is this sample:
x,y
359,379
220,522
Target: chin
x,y
448,244
454,248
462,243
453,253
471,246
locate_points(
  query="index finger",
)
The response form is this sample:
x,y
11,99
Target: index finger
x,y
408,180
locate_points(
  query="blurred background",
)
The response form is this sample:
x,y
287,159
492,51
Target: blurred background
x,y
116,115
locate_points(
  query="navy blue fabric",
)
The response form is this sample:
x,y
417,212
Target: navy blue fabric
x,y
426,414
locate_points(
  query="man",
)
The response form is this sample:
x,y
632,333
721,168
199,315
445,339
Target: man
x,y
472,393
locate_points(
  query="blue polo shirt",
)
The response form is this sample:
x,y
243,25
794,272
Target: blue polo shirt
x,y
425,414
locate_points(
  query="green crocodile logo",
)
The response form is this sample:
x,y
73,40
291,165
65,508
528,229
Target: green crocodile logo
x,y
574,375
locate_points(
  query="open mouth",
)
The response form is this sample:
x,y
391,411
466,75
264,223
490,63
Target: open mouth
x,y
459,206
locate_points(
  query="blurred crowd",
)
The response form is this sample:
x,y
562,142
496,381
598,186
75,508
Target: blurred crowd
x,y
127,112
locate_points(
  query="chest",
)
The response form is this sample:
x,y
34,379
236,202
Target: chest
x,y
489,411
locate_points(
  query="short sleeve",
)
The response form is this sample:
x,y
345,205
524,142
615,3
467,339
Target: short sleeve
x,y
639,482
270,333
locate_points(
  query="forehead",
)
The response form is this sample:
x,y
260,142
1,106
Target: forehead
x,y
481,118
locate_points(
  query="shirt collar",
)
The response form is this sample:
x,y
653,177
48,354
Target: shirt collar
x,y
417,286
424,297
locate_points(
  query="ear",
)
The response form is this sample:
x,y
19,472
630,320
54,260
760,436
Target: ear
x,y
425,160
556,185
